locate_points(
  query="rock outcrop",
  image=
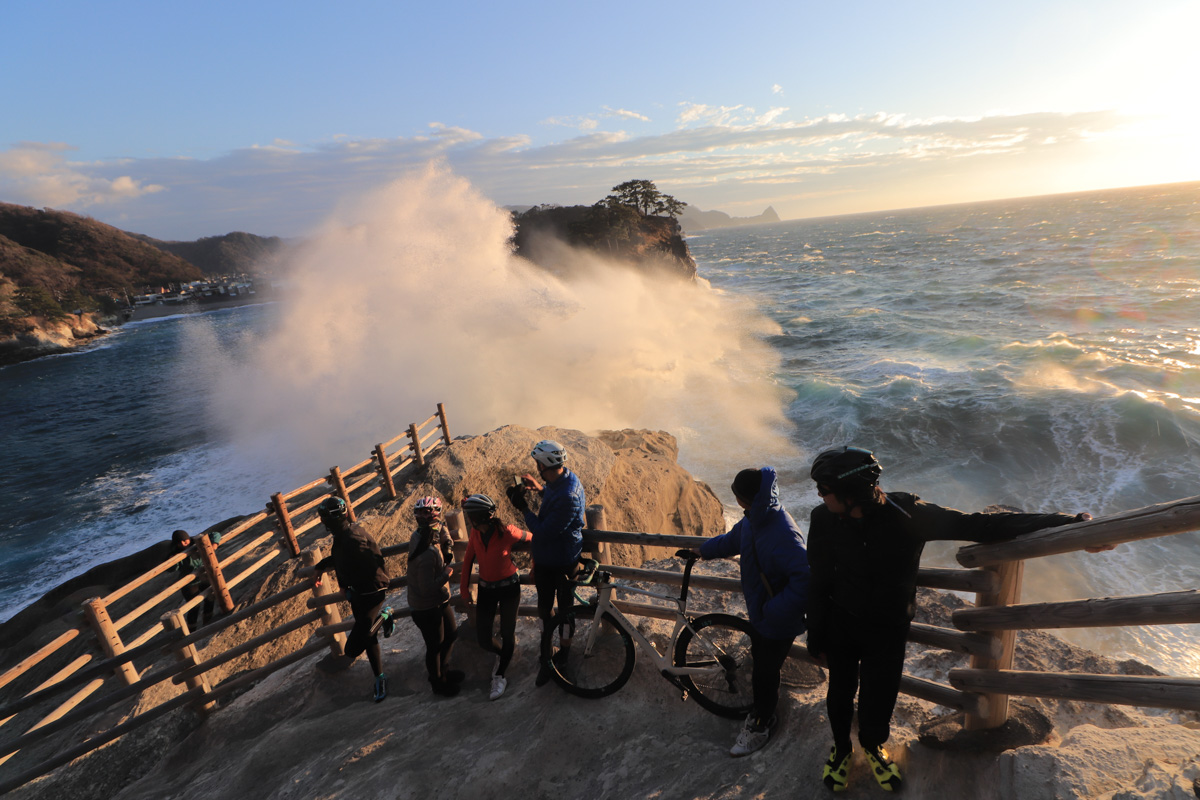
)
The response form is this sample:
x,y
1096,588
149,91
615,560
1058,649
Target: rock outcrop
x,y
619,234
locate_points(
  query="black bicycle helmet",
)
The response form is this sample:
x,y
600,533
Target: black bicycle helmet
x,y
331,509
846,467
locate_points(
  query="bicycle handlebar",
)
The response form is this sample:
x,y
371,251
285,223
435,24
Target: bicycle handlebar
x,y
588,573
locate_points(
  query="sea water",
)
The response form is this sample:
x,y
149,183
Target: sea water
x,y
1042,354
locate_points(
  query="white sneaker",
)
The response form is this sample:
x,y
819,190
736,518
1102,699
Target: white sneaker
x,y
752,738
499,684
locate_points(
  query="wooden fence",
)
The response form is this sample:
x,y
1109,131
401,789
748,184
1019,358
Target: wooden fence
x,y
981,691
112,634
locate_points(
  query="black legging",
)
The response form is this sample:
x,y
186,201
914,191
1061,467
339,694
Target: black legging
x,y
439,631
768,655
869,661
508,598
552,583
366,608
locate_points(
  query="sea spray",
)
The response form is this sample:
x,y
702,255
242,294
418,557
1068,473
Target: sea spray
x,y
412,295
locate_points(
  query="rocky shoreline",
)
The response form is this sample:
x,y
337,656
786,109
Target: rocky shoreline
x,y
39,337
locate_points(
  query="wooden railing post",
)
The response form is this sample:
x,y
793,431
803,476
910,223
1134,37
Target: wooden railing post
x,y
596,522
445,426
110,640
216,578
1008,593
329,613
385,474
283,519
174,620
339,488
415,435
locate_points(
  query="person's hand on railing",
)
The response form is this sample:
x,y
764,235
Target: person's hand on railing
x,y
1084,516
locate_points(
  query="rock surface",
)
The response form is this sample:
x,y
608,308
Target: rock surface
x,y
302,733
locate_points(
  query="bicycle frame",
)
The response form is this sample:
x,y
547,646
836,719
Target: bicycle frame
x,y
663,663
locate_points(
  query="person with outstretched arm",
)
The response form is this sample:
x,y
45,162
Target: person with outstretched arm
x,y
358,563
557,530
864,549
774,571
490,543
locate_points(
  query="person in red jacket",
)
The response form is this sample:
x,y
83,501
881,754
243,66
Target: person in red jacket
x,y
490,543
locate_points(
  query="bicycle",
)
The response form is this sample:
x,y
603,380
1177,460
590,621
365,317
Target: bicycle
x,y
710,654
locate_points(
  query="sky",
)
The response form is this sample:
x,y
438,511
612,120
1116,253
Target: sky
x,y
181,120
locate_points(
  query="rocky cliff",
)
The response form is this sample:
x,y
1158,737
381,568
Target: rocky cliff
x,y
62,275
617,233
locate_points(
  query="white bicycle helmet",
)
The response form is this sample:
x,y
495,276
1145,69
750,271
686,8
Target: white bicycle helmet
x,y
549,454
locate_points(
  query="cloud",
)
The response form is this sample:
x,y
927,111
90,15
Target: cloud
x,y
777,89
625,114
38,174
717,152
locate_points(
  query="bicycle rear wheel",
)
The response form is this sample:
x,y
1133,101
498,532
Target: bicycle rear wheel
x,y
721,642
599,658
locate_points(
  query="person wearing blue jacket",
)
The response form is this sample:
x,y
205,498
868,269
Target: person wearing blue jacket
x,y
774,568
557,530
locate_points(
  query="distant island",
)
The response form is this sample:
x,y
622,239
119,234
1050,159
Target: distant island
x,y
693,219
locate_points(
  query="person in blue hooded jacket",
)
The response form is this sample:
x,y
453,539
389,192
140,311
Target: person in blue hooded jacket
x,y
557,530
775,582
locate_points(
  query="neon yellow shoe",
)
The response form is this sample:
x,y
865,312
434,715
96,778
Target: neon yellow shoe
x,y
837,769
886,773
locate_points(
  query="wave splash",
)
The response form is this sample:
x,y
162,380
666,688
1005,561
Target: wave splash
x,y
412,295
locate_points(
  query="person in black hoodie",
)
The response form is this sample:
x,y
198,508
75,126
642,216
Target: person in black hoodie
x,y
864,549
358,563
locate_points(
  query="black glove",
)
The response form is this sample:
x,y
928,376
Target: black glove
x,y
516,496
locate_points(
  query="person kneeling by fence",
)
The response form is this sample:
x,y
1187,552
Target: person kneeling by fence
x,y
180,541
358,563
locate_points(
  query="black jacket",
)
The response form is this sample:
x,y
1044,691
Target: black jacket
x,y
864,571
357,561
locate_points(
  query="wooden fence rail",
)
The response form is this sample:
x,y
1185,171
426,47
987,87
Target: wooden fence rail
x,y
285,520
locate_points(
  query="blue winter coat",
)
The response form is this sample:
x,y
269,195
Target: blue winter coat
x,y
770,544
557,528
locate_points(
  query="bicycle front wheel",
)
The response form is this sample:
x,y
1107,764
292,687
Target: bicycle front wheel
x,y
596,661
721,646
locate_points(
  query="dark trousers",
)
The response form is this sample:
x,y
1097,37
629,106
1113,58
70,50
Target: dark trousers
x,y
553,583
768,655
508,600
193,615
366,608
439,630
867,661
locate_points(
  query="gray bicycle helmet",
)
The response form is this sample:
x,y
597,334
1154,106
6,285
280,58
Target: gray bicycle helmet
x,y
478,504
